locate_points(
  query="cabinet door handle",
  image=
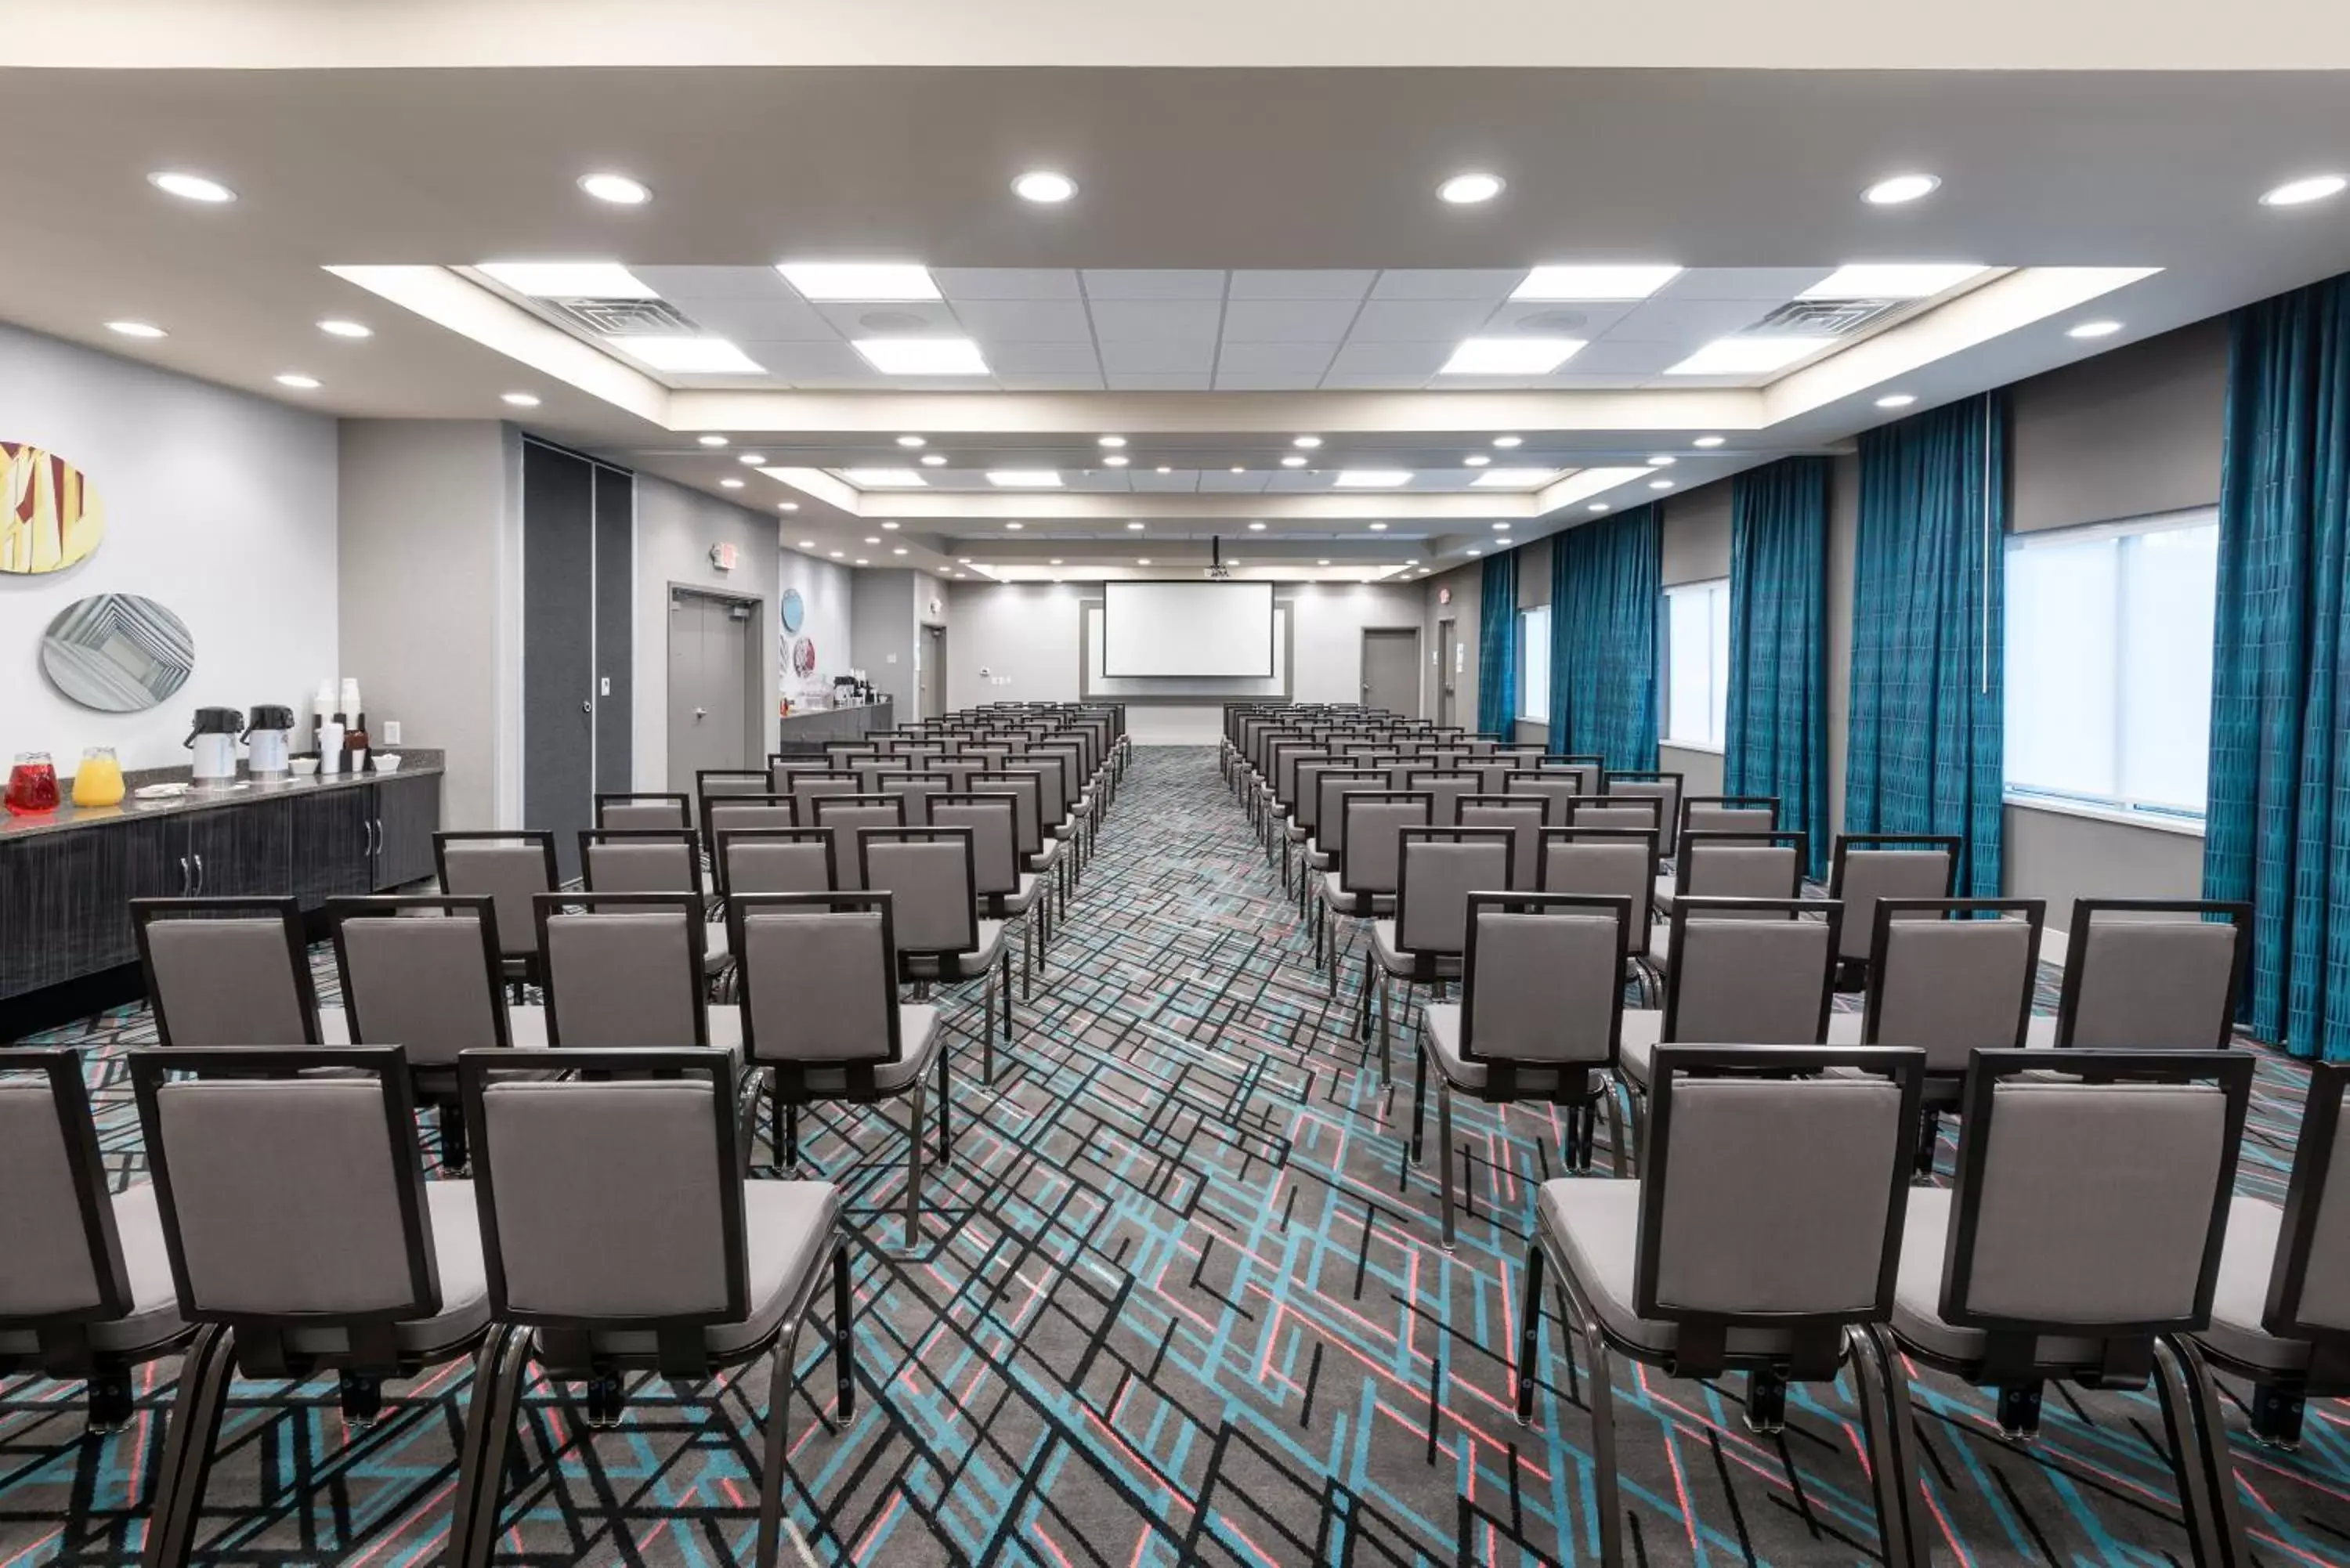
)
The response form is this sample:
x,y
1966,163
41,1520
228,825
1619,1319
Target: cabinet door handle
x,y
200,874
379,835
187,883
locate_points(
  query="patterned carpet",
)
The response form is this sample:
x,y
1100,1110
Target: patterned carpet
x,y
1177,1302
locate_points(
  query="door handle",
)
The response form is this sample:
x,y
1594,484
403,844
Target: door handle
x,y
698,713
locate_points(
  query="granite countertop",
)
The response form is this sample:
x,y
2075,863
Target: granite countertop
x,y
844,708
244,791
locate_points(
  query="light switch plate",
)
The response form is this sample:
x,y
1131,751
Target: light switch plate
x,y
392,732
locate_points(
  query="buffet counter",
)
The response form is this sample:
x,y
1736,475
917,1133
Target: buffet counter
x,y
807,729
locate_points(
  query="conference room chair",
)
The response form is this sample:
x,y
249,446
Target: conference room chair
x,y
1540,1018
1734,864
1445,787
1283,830
512,869
1521,817
917,791
808,785
620,1236
1866,866
1730,814
1590,768
1038,851
955,770
2150,974
639,811
1649,784
1610,863
1006,893
1764,1236
651,860
776,860
844,816
86,1294
941,940
1053,808
1422,945
721,783
421,971
1294,815
747,812
1361,883
231,972
1614,810
821,1014
624,972
786,767
2081,1240
1326,852
301,1238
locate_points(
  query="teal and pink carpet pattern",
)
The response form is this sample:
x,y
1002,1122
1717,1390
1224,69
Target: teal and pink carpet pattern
x,y
1177,1300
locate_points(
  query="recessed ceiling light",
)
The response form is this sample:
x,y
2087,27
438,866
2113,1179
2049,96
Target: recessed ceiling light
x,y
1897,399
861,281
1510,355
1134,527
1511,478
1627,282
299,381
689,356
808,543
1053,562
1025,478
1661,460
520,400
1112,442
1501,527
2093,330
1292,460
1476,459
1468,189
1238,469
2300,193
898,550
1747,356
1014,527
1660,484
1044,187
861,561
1509,441
1896,189
334,327
922,355
1142,560
882,478
714,440
617,189
889,527
137,328
934,460
1307,442
570,280
1378,527
1115,460
1164,469
1411,563
752,458
1321,563
1256,527
1707,442
787,506
911,441
1599,506
1473,550
730,483
963,560
191,187
1371,478
1891,280
838,553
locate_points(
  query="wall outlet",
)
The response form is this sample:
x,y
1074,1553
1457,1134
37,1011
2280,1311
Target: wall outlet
x,y
892,659
392,732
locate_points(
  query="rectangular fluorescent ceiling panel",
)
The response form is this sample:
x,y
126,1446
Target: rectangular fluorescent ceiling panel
x,y
1626,281
1511,355
1748,356
1025,478
1512,478
1372,478
884,478
922,355
689,356
1891,280
568,280
859,282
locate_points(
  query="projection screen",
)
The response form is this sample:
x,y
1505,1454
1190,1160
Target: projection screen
x,y
1187,629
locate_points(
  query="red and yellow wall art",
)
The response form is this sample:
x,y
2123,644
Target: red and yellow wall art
x,y
50,518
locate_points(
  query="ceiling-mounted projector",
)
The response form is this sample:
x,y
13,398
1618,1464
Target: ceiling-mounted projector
x,y
1217,571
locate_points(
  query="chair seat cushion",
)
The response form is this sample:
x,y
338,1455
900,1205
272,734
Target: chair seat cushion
x,y
1344,901
970,965
154,1316
1636,1049
1844,1028
334,1026
1918,1293
2246,1256
1440,1035
1661,898
917,1049
1395,960
1018,903
465,1282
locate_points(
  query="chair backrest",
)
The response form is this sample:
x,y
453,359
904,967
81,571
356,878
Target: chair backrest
x,y
1374,821
56,1220
1614,811
1952,976
1605,862
1751,972
2146,974
1866,866
1444,787
1052,791
1522,817
1541,982
930,870
1734,865
512,869
290,1199
1331,789
641,860
1589,772
995,860
917,791
747,810
624,971
1557,791
226,971
420,972
612,1199
633,812
1730,814
776,859
1774,1187
2309,1281
1437,869
845,814
1027,806
1284,774
955,772
819,976
784,769
1665,788
2093,1205
809,785
871,771
713,785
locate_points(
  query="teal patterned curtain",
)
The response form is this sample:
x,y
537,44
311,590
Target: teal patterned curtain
x,y
1497,646
1778,739
2278,830
1605,597
1929,589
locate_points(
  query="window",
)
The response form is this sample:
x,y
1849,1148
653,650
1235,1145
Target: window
x,y
1533,664
1697,663
2109,663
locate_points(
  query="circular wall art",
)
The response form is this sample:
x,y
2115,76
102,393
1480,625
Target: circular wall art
x,y
804,657
50,515
795,610
117,654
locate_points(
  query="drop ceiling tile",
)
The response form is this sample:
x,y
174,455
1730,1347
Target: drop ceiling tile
x,y
1157,321
1183,481
1287,320
1306,360
941,384
1094,481
1157,356
791,361
1610,358
677,284
1534,318
781,319
1030,382
1445,321
1489,284
1042,359
1145,282
1776,285
1267,380
1300,283
1148,382
995,322
1372,381
1420,359
963,282
1216,481
1689,322
911,318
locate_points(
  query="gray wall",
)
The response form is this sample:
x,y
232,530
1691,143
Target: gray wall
x,y
1467,586
881,630
1696,547
2059,858
826,590
2127,435
675,529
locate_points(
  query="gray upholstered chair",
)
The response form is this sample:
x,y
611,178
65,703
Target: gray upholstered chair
x,y
1522,817
1006,893
1734,864
1609,862
1664,788
1424,943
2081,1238
2146,974
1539,1015
844,816
512,869
1763,1236
821,1014
917,790
421,971
623,973
1366,862
1866,866
1730,814
231,972
651,860
85,1288
714,785
1444,787
808,785
940,937
738,812
301,1236
620,1236
643,811
1305,813
1625,812
784,768
776,859
1039,851
1557,789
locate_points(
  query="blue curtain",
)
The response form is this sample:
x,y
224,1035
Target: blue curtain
x,y
1929,586
1497,646
2278,830
1605,597
1778,739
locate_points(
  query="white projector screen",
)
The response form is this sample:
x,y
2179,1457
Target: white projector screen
x,y
1187,629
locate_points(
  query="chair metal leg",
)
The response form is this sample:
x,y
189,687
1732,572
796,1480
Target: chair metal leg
x,y
489,1430
844,1338
946,1138
453,1157
1606,1491
792,1137
771,1464
987,1030
2197,1432
1386,1064
1634,1104
1623,1154
1930,1135
1418,1097
1006,963
1529,1334
1028,959
188,1449
108,1401
1884,1390
1444,1154
914,1167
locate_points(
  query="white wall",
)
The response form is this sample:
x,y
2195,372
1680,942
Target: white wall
x,y
675,529
218,505
826,589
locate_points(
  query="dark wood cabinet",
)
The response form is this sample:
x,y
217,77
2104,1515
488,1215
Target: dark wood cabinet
x,y
333,840
407,815
64,901
240,852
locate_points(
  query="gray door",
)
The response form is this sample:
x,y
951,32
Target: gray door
x,y
931,683
559,665
708,684
1448,667
1391,671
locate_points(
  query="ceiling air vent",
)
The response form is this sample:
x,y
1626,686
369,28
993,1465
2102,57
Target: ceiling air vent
x,y
1820,317
626,318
